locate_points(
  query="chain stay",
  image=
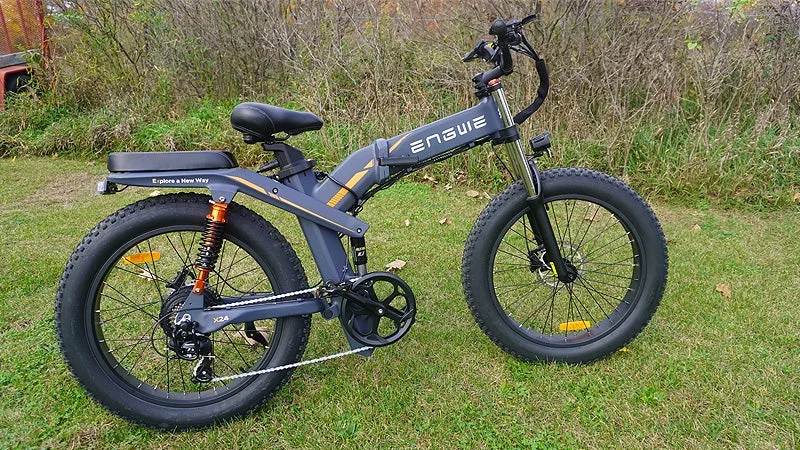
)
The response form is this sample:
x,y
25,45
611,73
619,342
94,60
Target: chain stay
x,y
316,291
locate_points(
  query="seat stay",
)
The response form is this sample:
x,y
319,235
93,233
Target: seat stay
x,y
224,184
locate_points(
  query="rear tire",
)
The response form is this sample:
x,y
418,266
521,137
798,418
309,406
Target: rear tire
x,y
110,312
605,229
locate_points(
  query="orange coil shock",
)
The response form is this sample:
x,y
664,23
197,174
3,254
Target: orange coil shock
x,y
210,244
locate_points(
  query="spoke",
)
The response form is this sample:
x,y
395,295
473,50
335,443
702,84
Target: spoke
x,y
105,321
233,371
169,386
624,277
512,255
155,272
515,248
579,302
126,305
569,317
551,313
136,273
235,261
513,264
607,243
592,280
595,255
119,361
253,287
121,347
551,298
219,262
508,308
569,221
229,343
604,229
228,273
591,294
525,232
591,222
246,364
228,280
525,269
180,371
555,221
138,358
593,289
518,287
131,303
615,263
175,249
188,250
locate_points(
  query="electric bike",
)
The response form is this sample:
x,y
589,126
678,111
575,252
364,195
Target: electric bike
x,y
183,310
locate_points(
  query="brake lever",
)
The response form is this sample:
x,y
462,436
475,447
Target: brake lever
x,y
483,50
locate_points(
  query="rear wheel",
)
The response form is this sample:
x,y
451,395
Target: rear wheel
x,y
121,289
605,231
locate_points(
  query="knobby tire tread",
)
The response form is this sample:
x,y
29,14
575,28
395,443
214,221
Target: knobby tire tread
x,y
511,193
178,199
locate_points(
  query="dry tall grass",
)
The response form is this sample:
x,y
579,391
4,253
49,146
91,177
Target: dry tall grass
x,y
685,96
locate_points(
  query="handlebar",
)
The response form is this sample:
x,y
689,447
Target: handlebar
x,y
510,37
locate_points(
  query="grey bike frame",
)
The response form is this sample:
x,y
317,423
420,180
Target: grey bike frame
x,y
320,206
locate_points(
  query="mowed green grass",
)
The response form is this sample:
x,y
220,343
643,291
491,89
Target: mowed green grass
x,y
707,372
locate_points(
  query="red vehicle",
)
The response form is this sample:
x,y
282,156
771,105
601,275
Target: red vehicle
x,y
23,31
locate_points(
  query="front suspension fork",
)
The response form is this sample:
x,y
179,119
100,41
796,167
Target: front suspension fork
x,y
529,174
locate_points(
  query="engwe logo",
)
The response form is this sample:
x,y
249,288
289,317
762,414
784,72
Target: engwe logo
x,y
448,134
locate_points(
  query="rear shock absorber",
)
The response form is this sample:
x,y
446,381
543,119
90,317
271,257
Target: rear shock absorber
x,y
210,245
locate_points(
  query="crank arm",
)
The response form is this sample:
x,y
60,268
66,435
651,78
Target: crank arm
x,y
377,308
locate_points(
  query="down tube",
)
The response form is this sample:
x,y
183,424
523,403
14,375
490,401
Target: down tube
x,y
327,250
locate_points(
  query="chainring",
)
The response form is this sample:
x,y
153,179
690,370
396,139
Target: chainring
x,y
378,309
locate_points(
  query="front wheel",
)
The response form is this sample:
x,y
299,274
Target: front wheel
x,y
605,231
120,292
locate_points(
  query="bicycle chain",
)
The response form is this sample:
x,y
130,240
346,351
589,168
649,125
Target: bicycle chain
x,y
290,366
286,366
263,299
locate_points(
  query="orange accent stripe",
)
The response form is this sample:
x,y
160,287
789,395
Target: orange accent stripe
x,y
394,146
260,189
342,192
370,164
247,183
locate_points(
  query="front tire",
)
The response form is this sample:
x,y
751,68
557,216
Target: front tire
x,y
605,230
113,313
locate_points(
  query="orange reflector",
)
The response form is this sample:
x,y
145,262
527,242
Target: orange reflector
x,y
574,326
140,258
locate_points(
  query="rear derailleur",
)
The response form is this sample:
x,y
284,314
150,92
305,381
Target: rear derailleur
x,y
183,339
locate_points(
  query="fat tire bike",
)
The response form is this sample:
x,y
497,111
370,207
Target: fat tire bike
x,y
184,310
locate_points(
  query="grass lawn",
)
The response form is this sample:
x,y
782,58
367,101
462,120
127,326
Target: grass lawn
x,y
708,372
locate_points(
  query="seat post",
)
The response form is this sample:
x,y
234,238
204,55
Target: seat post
x,y
284,153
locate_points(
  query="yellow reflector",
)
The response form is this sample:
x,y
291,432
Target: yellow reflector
x,y
140,258
574,326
